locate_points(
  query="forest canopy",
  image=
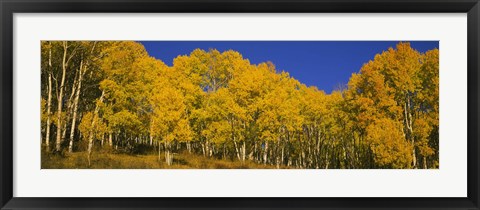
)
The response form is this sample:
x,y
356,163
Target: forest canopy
x,y
111,97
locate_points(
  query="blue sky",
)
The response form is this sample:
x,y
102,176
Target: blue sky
x,y
325,64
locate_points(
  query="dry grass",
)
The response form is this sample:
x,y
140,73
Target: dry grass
x,y
106,160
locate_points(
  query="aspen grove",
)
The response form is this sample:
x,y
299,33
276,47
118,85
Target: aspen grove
x,y
112,95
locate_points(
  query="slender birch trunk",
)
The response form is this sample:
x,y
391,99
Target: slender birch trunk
x,y
60,97
70,105
265,153
91,133
110,139
75,106
425,163
244,151
151,139
408,124
189,147
168,155
49,103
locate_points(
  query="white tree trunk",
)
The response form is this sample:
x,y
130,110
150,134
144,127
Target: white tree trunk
x,y
265,153
49,106
408,124
69,110
91,133
110,141
168,155
244,151
189,147
60,98
49,100
151,139
237,151
75,107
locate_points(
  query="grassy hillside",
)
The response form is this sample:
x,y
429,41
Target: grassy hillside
x,y
106,160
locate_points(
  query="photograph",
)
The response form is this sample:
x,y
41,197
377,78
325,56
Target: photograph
x,y
139,104
206,104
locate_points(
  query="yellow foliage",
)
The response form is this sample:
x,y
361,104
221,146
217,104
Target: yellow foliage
x,y
388,144
99,130
387,117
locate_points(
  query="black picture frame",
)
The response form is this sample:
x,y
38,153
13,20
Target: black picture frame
x,y
10,7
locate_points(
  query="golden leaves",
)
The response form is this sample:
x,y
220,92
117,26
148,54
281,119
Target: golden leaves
x,y
388,144
387,117
397,93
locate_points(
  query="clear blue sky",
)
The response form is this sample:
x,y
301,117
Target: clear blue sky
x,y
325,64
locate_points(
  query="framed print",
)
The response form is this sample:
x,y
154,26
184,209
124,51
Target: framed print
x,y
239,105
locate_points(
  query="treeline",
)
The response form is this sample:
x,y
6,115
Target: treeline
x,y
219,105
